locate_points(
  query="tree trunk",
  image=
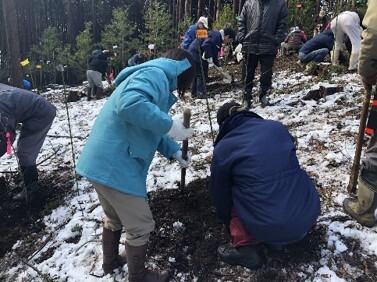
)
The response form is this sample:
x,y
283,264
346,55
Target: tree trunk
x,y
94,21
218,8
187,8
199,12
13,42
235,7
174,13
317,6
240,6
70,34
180,10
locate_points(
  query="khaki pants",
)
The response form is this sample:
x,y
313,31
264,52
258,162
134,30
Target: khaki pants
x,y
128,211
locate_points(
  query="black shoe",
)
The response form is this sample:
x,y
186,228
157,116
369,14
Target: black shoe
x,y
275,248
200,96
264,101
247,99
247,104
246,256
29,192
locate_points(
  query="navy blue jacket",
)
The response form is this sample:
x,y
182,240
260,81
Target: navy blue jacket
x,y
98,62
136,59
190,36
323,40
210,46
255,170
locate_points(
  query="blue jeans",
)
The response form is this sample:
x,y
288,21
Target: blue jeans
x,y
316,55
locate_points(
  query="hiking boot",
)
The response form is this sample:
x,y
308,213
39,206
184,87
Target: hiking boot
x,y
275,248
31,187
29,192
246,256
265,101
247,100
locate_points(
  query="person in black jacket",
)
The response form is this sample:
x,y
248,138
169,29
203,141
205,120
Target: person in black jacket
x,y
257,185
261,30
36,116
97,65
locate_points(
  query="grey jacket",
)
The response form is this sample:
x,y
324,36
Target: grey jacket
x,y
262,26
22,106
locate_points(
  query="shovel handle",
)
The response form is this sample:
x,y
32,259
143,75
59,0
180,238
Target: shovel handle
x,y
186,123
359,145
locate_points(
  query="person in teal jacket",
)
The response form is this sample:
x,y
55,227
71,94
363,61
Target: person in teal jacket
x,y
133,125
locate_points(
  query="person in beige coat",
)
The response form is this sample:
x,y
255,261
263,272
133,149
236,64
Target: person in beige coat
x,y
347,25
363,207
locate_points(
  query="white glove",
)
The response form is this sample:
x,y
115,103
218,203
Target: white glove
x,y
182,163
209,60
178,132
238,49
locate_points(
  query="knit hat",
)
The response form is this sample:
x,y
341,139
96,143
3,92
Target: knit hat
x,y
227,110
204,21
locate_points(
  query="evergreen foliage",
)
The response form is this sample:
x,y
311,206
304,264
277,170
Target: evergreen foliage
x,y
183,26
121,33
302,16
47,52
158,28
78,61
226,19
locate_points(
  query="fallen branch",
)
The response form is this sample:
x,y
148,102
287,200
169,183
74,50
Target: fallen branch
x,y
66,136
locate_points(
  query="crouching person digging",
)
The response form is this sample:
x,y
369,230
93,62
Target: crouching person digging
x,y
36,116
131,127
257,186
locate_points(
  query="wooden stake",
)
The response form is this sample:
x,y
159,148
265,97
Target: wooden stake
x,y
186,123
359,145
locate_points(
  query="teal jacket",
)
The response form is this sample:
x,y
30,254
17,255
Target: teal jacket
x,y
132,126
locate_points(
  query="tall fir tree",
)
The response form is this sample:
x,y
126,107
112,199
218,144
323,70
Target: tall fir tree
x,y
120,36
159,28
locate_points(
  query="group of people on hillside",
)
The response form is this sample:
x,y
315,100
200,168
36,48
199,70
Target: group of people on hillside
x,y
257,185
344,29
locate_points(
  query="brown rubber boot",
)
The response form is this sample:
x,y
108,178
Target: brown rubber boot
x,y
362,209
99,93
89,93
110,245
137,272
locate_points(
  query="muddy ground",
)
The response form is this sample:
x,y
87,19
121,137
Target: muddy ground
x,y
187,228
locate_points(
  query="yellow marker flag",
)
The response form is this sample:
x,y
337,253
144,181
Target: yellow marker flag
x,y
25,62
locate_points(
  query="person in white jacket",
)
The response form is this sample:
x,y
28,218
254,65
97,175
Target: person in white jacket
x,y
347,25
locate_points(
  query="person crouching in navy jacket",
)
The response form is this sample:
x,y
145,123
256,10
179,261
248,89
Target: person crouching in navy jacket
x,y
257,186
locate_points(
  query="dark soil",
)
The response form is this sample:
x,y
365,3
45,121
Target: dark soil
x,y
188,230
20,219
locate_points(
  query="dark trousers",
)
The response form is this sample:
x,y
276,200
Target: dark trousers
x,y
266,63
197,88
